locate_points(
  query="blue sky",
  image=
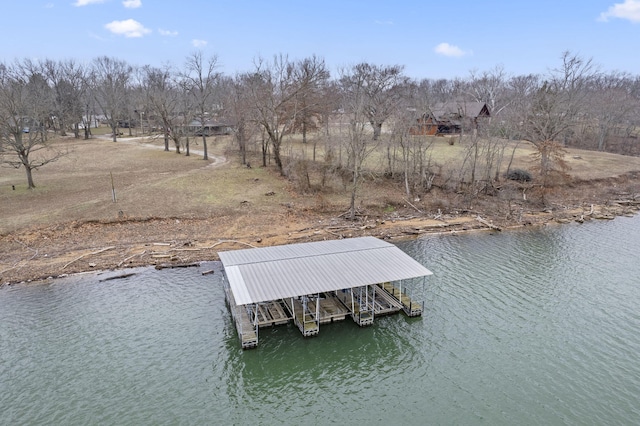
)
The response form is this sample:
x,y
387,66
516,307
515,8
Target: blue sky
x,y
432,39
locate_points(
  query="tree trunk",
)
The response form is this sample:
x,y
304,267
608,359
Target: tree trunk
x,y
29,176
204,145
304,129
265,145
352,203
276,141
276,156
377,130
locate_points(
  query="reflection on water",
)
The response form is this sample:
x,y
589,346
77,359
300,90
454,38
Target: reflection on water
x,y
529,326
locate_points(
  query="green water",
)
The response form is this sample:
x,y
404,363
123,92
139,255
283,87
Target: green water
x,y
539,326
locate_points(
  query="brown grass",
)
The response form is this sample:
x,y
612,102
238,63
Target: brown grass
x,y
186,201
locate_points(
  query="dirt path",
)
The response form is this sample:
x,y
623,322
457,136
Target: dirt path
x,y
214,160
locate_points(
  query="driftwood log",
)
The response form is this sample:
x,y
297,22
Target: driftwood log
x,y
88,254
118,277
176,265
490,225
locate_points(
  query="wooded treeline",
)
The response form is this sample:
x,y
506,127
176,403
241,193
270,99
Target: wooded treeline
x,y
358,109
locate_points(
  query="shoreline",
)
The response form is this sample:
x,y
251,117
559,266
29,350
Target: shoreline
x,y
52,256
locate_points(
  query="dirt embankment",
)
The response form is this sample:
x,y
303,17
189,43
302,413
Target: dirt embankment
x,y
58,250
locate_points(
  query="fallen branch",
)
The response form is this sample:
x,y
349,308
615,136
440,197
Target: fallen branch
x,y
341,228
334,234
417,209
176,265
89,254
490,225
229,241
131,257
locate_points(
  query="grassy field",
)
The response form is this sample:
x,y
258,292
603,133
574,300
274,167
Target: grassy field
x,y
152,183
182,209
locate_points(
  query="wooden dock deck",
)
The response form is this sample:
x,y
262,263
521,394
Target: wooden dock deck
x,y
270,314
384,303
362,317
331,309
381,299
304,320
245,328
411,308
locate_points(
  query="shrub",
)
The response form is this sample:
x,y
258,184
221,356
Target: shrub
x,y
519,175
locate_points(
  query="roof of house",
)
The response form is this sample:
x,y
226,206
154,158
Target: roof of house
x,y
458,109
273,273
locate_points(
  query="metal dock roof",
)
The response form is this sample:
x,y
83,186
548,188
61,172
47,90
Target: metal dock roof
x,y
273,273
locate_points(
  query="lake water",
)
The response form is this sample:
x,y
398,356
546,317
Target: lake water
x,y
535,326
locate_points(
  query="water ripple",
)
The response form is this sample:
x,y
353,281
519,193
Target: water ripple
x,y
533,326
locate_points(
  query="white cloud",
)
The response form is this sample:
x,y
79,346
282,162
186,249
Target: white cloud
x,y
630,10
167,32
127,28
132,4
48,6
199,43
447,49
87,2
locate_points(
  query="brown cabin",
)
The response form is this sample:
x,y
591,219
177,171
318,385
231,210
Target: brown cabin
x,y
450,118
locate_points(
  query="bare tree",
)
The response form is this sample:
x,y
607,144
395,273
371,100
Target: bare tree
x,y
163,96
356,104
68,81
611,103
413,149
22,134
312,76
552,112
381,90
489,87
276,90
110,80
200,78
241,111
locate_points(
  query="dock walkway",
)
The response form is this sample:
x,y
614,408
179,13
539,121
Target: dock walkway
x,y
303,319
411,308
270,314
246,330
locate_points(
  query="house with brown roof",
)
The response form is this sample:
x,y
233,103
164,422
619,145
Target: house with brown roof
x,y
451,118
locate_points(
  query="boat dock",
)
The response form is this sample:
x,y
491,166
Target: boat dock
x,y
311,284
409,306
